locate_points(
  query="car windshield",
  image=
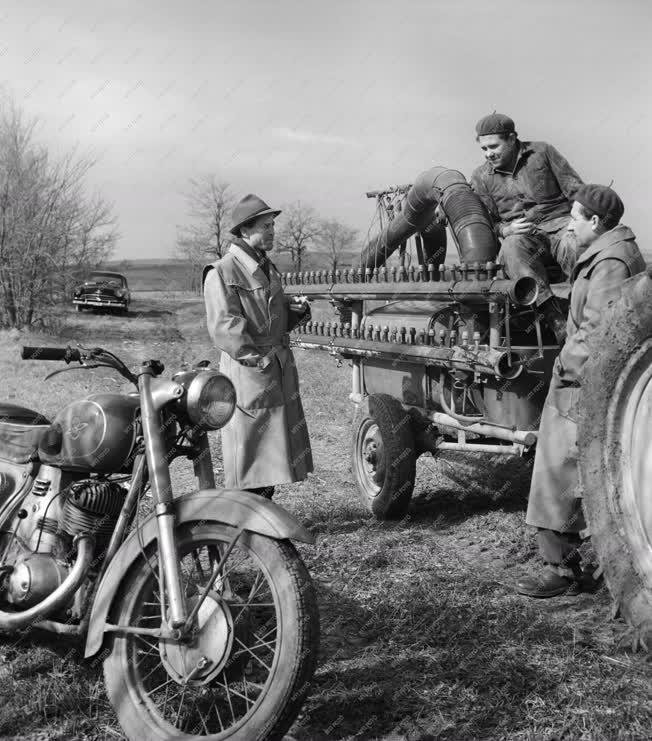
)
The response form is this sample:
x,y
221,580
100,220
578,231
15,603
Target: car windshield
x,y
119,280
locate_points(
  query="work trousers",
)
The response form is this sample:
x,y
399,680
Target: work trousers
x,y
559,550
530,254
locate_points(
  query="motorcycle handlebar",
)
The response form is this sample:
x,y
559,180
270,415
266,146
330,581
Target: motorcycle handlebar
x,y
50,353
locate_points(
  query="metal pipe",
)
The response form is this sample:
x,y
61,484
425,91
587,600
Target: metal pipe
x,y
126,512
61,595
514,449
522,291
488,361
495,335
356,374
67,629
522,437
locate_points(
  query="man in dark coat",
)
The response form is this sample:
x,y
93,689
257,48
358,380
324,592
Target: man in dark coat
x,y
266,441
528,189
607,255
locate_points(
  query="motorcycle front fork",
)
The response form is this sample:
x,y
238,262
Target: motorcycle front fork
x,y
154,394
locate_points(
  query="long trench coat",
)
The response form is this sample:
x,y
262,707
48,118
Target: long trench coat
x,y
597,278
266,441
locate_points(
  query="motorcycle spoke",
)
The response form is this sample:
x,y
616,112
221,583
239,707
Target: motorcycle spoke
x,y
225,573
152,646
249,651
198,566
228,697
183,693
170,699
261,644
254,587
201,717
169,680
239,694
157,667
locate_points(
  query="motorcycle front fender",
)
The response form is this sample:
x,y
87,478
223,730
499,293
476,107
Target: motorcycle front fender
x,y
240,509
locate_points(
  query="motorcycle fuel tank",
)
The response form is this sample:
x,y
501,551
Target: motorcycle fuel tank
x,y
94,434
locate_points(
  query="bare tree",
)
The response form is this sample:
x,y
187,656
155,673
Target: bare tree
x,y
210,203
336,238
51,231
297,232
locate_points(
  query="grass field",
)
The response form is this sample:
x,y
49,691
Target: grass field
x,y
423,636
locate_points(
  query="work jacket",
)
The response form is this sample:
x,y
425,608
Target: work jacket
x,y
597,279
540,188
266,441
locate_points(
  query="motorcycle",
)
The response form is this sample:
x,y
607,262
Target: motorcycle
x,y
202,611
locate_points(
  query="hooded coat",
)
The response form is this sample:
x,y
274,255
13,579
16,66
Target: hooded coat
x,y
266,441
597,278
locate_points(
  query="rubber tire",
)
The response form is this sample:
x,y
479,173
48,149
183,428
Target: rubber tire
x,y
295,661
79,307
392,499
626,324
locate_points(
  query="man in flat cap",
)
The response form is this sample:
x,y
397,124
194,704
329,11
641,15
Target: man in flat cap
x,y
248,316
528,188
607,255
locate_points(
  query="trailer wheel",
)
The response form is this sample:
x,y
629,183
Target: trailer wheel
x,y
384,459
615,443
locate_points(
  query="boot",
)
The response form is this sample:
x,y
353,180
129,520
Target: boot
x,y
548,584
555,318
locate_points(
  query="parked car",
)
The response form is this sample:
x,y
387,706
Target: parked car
x,y
103,290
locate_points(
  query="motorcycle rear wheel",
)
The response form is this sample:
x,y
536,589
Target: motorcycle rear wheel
x,y
261,635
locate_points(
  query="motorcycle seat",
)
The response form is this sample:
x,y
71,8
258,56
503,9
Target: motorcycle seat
x,y
20,432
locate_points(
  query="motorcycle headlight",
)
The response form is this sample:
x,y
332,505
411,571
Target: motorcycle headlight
x,y
210,400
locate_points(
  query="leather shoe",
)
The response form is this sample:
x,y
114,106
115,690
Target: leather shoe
x,y
548,584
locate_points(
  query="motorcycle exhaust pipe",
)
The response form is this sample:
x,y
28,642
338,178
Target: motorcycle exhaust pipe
x,y
10,621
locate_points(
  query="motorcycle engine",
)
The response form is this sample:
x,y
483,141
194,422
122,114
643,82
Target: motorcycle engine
x,y
92,506
36,560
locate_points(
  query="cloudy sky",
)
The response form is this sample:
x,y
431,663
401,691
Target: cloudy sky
x,y
322,101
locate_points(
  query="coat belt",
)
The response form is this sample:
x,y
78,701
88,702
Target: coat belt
x,y
269,344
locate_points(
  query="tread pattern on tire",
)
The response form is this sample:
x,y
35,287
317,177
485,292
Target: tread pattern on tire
x,y
626,324
394,424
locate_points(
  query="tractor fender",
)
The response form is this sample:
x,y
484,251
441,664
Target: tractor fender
x,y
241,509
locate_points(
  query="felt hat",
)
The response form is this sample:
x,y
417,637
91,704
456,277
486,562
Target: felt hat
x,y
249,208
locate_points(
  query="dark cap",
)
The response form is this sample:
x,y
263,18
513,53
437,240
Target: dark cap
x,y
495,123
601,200
248,209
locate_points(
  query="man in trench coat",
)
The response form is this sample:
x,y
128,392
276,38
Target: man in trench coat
x,y
528,188
607,255
266,441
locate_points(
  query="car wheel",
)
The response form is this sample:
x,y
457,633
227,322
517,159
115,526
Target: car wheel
x,y
384,458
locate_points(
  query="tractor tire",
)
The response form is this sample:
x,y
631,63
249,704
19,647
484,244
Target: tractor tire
x,y
615,444
384,458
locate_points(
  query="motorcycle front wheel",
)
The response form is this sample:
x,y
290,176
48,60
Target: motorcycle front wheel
x,y
245,672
